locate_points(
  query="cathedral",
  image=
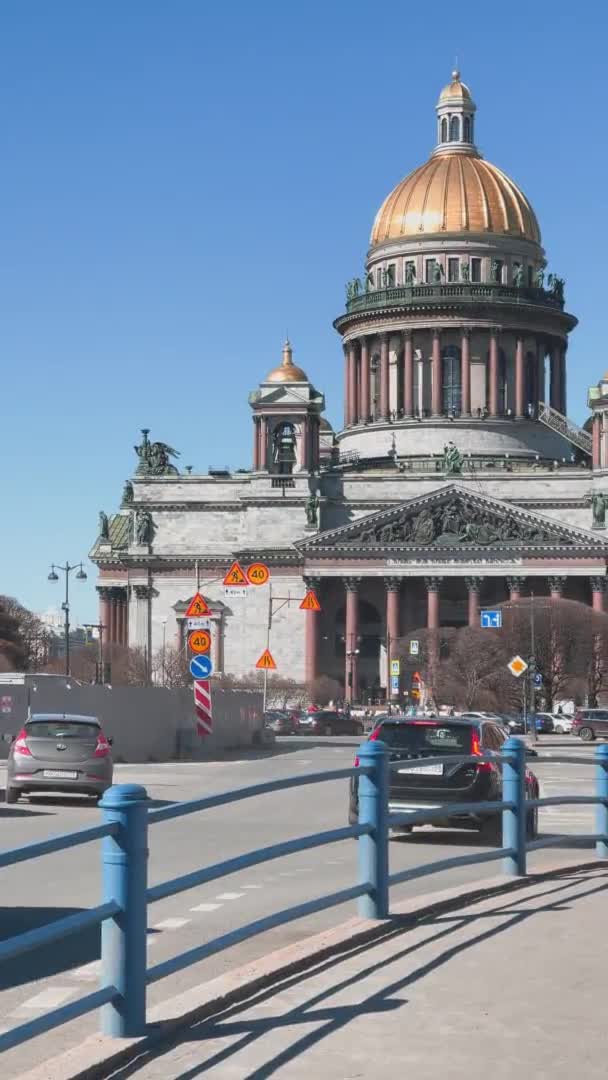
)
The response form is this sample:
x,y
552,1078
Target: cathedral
x,y
457,481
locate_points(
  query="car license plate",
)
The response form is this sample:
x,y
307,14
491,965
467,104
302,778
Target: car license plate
x,y
426,770
59,774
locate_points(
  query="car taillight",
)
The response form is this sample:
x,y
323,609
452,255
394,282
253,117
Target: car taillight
x,y
103,747
375,735
20,745
484,766
357,762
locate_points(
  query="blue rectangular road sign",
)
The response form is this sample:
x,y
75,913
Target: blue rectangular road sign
x,y
395,684
490,620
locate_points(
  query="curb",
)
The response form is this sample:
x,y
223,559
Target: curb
x,y
99,1056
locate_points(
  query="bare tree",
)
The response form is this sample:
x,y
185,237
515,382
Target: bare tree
x,y
29,639
324,689
170,668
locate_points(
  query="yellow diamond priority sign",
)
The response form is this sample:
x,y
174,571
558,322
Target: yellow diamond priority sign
x,y
517,666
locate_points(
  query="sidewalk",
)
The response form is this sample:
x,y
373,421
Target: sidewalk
x,y
512,985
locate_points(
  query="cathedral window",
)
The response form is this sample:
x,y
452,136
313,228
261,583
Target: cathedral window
x,y
475,269
450,380
429,271
444,130
453,269
454,129
467,129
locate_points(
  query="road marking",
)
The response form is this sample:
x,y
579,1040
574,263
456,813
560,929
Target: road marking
x,y
206,907
170,924
49,999
251,886
230,896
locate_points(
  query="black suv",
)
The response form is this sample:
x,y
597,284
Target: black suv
x,y
416,785
590,724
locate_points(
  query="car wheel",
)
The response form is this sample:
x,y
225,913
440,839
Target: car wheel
x,y
490,830
587,734
12,795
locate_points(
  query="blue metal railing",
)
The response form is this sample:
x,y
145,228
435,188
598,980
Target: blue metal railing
x,y
122,914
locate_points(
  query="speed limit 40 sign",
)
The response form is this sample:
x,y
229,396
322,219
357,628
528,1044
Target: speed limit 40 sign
x,y
200,641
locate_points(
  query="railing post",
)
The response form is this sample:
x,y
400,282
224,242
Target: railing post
x,y
373,847
123,938
601,809
514,821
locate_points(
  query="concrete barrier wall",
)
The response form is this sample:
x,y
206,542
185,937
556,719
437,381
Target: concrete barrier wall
x,y
146,723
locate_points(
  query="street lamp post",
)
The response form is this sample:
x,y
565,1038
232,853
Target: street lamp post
x,y
65,607
100,629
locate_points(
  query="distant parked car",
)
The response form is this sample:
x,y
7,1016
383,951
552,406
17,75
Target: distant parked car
x,y
282,723
544,722
590,724
59,752
328,722
562,725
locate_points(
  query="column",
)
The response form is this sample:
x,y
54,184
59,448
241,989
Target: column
x,y
312,633
365,383
256,444
408,373
598,589
515,586
113,633
351,643
120,629
519,380
356,382
314,439
493,375
540,358
352,382
563,383
384,378
393,594
473,585
465,371
595,435
263,460
305,445
556,394
125,629
436,374
346,351
432,588
104,610
556,586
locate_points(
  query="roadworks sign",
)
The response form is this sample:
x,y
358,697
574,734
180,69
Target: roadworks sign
x,y
310,602
198,606
266,662
236,575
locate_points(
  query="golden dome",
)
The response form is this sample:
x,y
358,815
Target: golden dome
x,y
455,192
287,371
456,89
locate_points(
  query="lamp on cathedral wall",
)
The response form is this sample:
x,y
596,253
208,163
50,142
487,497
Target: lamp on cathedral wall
x,y
65,607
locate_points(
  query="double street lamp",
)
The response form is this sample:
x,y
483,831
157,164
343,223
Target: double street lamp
x,y
65,607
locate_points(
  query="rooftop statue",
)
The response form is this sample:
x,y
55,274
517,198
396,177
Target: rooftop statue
x,y
154,457
104,526
452,459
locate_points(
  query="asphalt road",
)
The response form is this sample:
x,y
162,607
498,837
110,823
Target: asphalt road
x,y
67,882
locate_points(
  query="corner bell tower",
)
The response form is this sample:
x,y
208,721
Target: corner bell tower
x,y
286,418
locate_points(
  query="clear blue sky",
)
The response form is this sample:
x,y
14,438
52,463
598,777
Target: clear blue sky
x,y
181,182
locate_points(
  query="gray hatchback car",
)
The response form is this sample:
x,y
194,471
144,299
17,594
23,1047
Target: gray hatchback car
x,y
59,752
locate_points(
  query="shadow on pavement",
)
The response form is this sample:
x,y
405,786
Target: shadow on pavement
x,y
330,1019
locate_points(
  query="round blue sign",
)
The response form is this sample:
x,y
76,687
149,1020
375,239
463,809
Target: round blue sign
x,y
201,667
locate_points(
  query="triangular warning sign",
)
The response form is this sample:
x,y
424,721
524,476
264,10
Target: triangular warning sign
x,y
310,602
266,662
236,575
198,606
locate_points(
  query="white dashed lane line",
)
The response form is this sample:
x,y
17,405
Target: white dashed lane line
x,y
230,896
170,924
206,907
47,999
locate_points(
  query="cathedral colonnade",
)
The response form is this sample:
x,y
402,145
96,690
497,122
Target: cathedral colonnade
x,y
114,614
458,371
337,642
